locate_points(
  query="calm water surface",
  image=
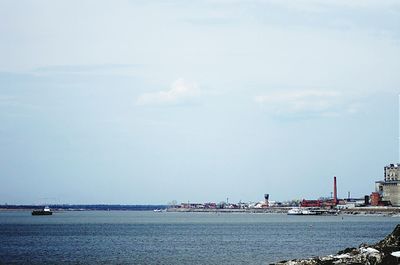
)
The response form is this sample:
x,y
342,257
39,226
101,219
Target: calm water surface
x,y
179,238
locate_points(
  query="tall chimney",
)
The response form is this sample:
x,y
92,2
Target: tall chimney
x,y
334,191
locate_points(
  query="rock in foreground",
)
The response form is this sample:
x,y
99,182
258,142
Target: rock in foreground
x,y
377,254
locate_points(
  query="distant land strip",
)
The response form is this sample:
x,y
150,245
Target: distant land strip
x,y
86,207
168,208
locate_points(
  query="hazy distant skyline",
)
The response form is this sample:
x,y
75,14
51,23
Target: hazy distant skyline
x,y
145,102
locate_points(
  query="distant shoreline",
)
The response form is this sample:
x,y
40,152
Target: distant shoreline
x,y
350,211
85,207
272,210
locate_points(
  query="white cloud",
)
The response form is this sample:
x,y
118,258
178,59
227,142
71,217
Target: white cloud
x,y
306,103
180,92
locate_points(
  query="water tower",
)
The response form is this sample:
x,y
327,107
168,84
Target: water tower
x,y
266,198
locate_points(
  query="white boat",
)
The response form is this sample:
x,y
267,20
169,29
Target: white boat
x,y
299,211
46,211
295,211
308,212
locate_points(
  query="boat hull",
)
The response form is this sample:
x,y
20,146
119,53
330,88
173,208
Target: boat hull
x,y
41,213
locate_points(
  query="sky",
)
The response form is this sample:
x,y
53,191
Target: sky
x,y
146,102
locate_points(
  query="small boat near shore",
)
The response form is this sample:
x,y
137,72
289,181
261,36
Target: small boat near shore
x,y
45,211
299,211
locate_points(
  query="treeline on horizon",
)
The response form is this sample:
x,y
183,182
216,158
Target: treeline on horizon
x,y
93,207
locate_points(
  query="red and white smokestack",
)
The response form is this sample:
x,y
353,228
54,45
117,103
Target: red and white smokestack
x,y
335,200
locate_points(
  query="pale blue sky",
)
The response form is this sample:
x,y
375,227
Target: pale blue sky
x,y
151,101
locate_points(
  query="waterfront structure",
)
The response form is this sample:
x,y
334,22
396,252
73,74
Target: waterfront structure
x,y
375,197
312,203
266,198
389,188
323,202
335,199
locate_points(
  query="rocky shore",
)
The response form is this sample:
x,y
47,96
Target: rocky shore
x,y
381,253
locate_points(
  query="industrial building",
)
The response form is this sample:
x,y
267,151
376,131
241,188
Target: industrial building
x,y
325,203
389,188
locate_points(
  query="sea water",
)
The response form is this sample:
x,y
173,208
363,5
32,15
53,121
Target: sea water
x,y
129,237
